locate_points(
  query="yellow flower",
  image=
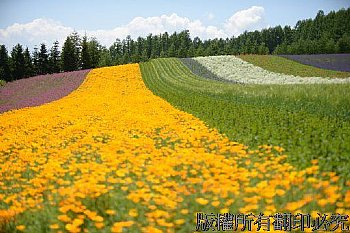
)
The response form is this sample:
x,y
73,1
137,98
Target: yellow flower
x,y
64,218
110,212
97,219
54,226
179,221
292,206
280,192
215,203
72,228
224,210
322,202
77,222
133,213
184,211
99,225
20,227
202,201
118,226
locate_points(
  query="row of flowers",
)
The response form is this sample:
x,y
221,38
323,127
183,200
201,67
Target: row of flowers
x,y
234,69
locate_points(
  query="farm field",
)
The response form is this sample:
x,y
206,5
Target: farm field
x,y
236,70
283,65
38,90
309,121
140,117
113,157
339,62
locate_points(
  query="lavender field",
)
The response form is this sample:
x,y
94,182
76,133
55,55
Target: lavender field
x,y
40,89
339,62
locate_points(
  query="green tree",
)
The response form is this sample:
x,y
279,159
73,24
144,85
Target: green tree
x,y
172,52
106,59
75,38
55,58
85,54
17,62
116,52
263,50
28,64
4,64
344,44
69,56
95,52
43,62
35,59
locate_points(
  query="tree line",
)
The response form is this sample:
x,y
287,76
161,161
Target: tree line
x,y
324,34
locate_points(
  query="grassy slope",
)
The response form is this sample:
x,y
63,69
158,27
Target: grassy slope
x,y
283,65
309,121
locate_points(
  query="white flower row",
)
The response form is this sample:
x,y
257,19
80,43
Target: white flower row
x,y
235,69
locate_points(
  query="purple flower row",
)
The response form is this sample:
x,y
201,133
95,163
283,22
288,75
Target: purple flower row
x,y
40,89
339,62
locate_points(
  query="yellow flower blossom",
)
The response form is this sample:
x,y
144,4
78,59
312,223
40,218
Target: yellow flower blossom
x,y
133,213
202,201
110,212
54,226
20,227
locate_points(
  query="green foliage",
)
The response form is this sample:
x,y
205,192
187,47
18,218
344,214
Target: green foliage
x,y
309,121
94,48
105,58
85,54
4,64
29,69
17,63
2,82
286,66
70,57
55,58
43,60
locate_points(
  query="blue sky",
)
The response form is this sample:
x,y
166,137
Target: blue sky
x,y
32,22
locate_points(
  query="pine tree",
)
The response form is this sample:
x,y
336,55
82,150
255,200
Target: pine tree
x,y
4,64
172,52
43,62
77,48
28,64
17,62
54,58
344,44
35,59
85,54
69,57
106,59
95,52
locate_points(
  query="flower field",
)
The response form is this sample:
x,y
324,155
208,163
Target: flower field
x,y
339,62
38,90
280,64
114,157
237,70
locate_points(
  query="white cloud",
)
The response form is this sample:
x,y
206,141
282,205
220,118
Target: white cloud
x,y
48,30
34,33
140,26
244,20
